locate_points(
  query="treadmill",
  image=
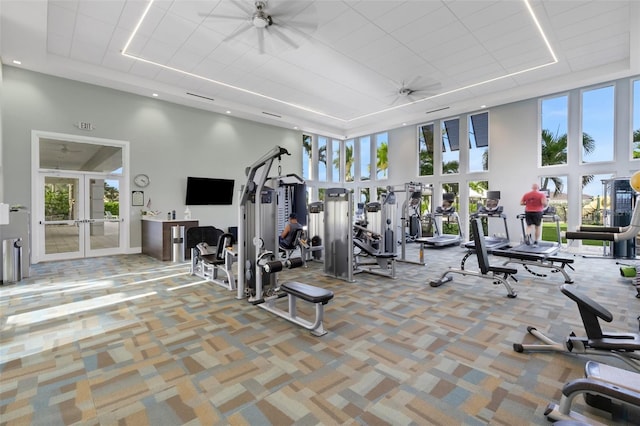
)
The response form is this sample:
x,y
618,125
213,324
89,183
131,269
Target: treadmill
x,y
448,211
543,248
491,209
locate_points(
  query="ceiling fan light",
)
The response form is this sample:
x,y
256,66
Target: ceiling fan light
x,y
260,20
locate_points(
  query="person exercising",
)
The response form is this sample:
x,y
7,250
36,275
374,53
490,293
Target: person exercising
x,y
289,232
534,203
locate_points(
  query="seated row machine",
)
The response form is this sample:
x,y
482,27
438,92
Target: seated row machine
x,y
211,253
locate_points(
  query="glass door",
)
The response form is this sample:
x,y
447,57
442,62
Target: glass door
x,y
103,226
81,216
60,228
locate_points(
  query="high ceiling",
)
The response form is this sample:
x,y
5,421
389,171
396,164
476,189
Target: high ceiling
x,y
340,68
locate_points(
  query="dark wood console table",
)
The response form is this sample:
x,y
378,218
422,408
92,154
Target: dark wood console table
x,y
156,237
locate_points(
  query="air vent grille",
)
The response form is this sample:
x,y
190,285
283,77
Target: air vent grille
x,y
436,110
200,96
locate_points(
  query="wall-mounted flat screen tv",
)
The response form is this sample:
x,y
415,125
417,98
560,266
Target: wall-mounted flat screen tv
x,y
207,191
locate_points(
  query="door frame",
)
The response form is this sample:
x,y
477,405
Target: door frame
x,y
37,200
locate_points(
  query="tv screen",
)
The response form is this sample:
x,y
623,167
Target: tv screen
x,y
208,191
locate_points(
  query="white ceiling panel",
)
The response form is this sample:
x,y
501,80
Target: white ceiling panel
x,y
342,62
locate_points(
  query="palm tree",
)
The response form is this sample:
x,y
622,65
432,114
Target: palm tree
x,y
636,143
426,150
348,163
382,161
450,167
554,151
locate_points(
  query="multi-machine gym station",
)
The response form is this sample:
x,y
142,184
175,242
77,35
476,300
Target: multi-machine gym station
x,y
375,240
349,245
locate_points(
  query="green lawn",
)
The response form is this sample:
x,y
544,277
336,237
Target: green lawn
x,y
549,233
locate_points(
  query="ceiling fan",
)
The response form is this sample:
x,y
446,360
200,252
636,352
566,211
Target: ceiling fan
x,y
275,21
412,93
65,150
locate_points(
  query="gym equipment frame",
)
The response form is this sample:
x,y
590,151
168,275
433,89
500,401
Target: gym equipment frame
x,y
207,262
483,263
257,251
602,383
623,346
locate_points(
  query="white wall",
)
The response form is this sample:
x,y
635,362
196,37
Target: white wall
x,y
168,142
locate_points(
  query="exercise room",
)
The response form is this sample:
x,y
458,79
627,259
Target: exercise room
x,y
319,212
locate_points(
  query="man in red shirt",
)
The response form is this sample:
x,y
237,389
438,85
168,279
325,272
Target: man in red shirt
x,y
534,203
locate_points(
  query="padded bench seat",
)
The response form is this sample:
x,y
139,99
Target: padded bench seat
x,y
211,259
372,251
307,292
531,256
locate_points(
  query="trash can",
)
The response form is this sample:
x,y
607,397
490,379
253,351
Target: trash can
x,y
12,260
177,243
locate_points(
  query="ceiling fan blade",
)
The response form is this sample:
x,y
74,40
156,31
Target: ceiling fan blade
x,y
215,16
239,31
396,100
290,9
282,36
243,7
430,88
261,39
412,82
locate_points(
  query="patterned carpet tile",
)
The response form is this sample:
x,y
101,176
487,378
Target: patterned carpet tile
x,y
133,341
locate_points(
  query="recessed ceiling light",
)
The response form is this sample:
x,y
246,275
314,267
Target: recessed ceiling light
x,y
228,112
483,106
155,95
404,124
295,127
17,62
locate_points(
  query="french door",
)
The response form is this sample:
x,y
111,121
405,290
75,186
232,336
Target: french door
x,y
79,215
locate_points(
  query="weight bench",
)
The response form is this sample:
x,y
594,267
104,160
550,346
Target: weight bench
x,y
623,346
486,270
295,290
386,262
555,263
603,386
314,295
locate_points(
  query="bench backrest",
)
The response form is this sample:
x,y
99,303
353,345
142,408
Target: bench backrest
x,y
590,311
480,245
203,234
225,240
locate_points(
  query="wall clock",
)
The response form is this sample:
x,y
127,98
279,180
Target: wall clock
x,y
141,180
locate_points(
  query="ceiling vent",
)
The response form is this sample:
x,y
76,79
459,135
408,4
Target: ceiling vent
x,y
271,114
436,110
200,96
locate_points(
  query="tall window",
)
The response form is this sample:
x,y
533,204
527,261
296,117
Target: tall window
x,y
365,158
594,210
554,117
382,159
425,150
335,160
306,157
479,142
557,188
450,146
635,137
597,125
349,161
322,159
477,194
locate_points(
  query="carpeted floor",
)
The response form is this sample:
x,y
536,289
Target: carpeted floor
x,y
131,340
